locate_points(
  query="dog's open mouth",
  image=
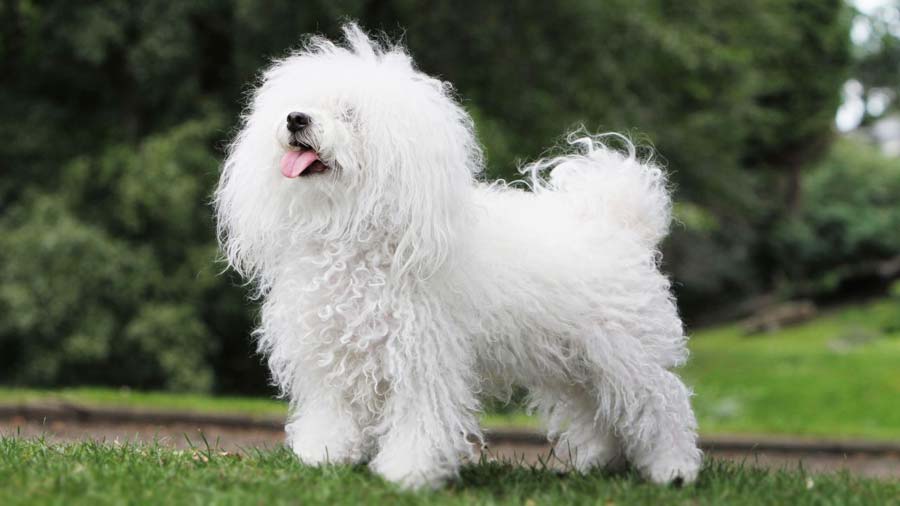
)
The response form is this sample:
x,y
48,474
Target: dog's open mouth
x,y
302,161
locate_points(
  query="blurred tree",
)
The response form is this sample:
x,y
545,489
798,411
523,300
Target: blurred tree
x,y
852,232
65,287
113,115
876,63
118,267
738,97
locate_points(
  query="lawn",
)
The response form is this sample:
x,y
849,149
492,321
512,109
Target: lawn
x,y
835,376
133,399
194,403
33,472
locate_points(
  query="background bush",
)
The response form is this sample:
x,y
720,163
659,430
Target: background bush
x,y
115,115
849,227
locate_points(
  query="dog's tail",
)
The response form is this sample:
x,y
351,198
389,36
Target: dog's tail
x,y
611,183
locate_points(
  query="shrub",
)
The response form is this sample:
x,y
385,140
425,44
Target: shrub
x,y
848,224
113,279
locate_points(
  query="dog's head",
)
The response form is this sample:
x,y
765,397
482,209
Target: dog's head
x,y
346,143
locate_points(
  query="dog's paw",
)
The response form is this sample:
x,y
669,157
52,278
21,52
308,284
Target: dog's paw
x,y
672,468
408,474
314,450
316,453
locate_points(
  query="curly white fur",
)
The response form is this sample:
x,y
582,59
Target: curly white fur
x,y
398,290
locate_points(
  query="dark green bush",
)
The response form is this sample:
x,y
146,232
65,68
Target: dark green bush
x,y
115,113
65,287
114,278
848,223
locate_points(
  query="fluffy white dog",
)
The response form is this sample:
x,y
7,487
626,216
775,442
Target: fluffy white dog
x,y
398,290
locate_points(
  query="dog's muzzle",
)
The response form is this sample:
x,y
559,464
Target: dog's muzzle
x,y
302,159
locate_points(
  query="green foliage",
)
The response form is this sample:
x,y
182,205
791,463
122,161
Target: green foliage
x,y
87,298
849,221
894,290
876,63
176,340
37,472
737,97
63,286
712,84
115,113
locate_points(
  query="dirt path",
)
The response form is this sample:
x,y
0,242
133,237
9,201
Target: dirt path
x,y
520,446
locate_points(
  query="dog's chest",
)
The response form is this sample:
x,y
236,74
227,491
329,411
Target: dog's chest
x,y
346,309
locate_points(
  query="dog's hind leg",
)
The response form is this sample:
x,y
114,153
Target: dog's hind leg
x,y
647,406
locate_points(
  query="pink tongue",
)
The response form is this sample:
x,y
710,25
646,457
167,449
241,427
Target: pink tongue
x,y
293,163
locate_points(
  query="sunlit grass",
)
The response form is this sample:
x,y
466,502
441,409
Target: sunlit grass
x,y
195,403
133,399
33,472
835,376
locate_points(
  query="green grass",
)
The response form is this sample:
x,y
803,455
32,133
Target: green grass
x,y
835,376
193,403
35,473
132,399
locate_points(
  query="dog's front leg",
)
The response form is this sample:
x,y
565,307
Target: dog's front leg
x,y
429,413
324,430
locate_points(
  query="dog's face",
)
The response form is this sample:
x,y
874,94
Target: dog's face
x,y
344,143
316,125
344,123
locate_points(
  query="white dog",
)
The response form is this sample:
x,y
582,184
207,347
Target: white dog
x,y
398,290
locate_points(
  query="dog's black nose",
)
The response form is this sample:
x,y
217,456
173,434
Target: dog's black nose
x,y
297,121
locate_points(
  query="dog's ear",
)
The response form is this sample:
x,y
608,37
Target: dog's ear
x,y
248,209
427,162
